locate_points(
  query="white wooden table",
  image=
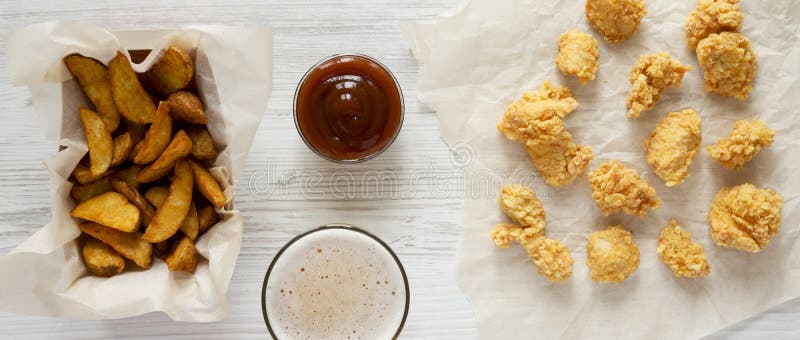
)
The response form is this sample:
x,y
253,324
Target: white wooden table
x,y
416,211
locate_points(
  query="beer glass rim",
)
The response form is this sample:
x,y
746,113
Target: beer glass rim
x,y
334,226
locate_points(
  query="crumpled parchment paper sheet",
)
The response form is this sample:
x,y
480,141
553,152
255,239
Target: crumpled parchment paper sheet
x,y
479,60
45,275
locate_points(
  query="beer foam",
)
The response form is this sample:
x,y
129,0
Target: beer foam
x,y
335,284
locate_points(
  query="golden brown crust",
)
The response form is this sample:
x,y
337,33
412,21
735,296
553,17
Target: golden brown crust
x,y
745,217
616,20
673,144
712,16
729,64
536,121
682,255
552,258
651,75
742,144
578,55
619,189
611,255
522,205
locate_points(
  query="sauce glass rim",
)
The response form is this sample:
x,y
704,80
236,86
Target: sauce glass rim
x,y
361,159
335,226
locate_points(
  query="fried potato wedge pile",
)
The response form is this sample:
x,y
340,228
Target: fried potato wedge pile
x,y
143,189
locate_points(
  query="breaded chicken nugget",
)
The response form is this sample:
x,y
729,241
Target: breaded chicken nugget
x,y
552,258
536,121
745,217
651,75
619,189
611,255
729,64
616,20
522,205
712,16
743,143
578,55
682,255
673,144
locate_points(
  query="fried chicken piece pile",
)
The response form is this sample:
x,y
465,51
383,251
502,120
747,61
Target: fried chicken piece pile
x,y
619,189
673,144
745,217
616,20
729,63
743,143
551,257
578,55
611,255
682,255
712,16
651,75
536,121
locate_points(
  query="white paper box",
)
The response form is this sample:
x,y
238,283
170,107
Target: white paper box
x,y
45,275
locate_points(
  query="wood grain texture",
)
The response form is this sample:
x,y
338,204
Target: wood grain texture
x,y
415,208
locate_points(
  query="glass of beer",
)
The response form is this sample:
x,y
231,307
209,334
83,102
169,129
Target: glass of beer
x,y
335,282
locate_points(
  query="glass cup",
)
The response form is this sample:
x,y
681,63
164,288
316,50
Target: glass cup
x,y
334,66
336,281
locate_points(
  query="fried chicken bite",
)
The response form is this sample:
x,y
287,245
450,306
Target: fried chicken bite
x,y
673,144
712,16
682,255
729,64
611,255
505,234
551,257
745,217
616,188
536,121
742,144
522,205
578,55
651,75
616,20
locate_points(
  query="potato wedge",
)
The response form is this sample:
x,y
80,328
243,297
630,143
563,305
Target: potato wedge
x,y
170,215
123,145
86,191
183,257
207,185
157,195
157,137
161,249
132,100
128,175
135,198
190,226
206,217
100,259
173,72
83,174
203,147
93,78
186,107
179,147
110,209
129,245
98,139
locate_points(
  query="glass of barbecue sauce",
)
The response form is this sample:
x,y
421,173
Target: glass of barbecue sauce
x,y
348,108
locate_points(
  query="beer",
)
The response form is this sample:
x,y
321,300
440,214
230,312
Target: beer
x,y
335,282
